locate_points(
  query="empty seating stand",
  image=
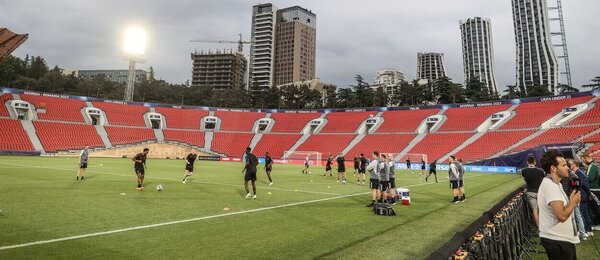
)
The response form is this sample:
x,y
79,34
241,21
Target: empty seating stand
x,y
405,121
231,144
129,135
291,122
556,136
439,144
275,144
120,114
491,143
384,143
326,143
66,136
13,137
185,136
59,109
3,99
345,122
468,118
591,116
533,114
182,118
238,121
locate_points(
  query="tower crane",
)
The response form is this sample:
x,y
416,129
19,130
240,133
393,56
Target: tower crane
x,y
240,42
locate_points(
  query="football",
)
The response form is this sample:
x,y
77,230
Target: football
x,y
159,187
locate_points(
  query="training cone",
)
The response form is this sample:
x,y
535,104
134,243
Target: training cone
x,y
269,193
225,209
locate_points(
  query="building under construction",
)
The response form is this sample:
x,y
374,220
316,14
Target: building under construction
x,y
218,69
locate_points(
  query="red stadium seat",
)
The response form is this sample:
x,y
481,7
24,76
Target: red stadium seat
x,y
182,118
291,122
556,136
467,119
404,121
385,143
3,99
119,114
275,144
533,114
129,135
66,136
345,122
231,144
185,136
439,144
60,109
591,116
238,121
326,143
13,137
491,143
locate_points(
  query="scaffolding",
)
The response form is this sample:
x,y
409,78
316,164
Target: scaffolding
x,y
563,45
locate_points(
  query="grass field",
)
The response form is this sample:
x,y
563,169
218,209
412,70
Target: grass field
x,y
48,215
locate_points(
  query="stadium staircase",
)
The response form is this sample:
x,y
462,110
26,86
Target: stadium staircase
x,y
208,138
103,135
411,145
360,137
303,138
30,130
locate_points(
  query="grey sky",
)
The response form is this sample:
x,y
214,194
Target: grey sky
x,y
353,37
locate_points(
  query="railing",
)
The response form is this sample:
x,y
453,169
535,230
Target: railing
x,y
507,231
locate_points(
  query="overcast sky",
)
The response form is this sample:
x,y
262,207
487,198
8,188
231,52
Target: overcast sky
x,y
353,37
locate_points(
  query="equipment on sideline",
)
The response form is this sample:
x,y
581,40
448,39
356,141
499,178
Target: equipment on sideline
x,y
383,209
403,195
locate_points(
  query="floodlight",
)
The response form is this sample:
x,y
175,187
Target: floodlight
x,y
134,40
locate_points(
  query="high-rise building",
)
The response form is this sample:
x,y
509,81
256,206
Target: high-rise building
x,y
283,48
478,52
295,45
430,66
536,59
219,70
262,48
389,80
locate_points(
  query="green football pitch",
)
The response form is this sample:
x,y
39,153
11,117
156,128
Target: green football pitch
x,y
47,214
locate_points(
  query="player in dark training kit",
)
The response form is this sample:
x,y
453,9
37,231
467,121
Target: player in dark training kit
x,y
250,170
306,165
140,167
356,165
362,168
189,165
328,167
269,167
432,169
341,162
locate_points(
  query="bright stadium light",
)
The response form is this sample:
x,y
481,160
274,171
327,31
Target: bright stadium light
x,y
134,40
134,46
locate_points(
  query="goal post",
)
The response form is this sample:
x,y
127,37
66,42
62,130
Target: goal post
x,y
298,157
416,160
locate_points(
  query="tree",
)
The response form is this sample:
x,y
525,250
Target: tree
x,y
448,92
363,94
331,96
381,97
11,70
346,98
566,89
512,92
595,83
538,90
476,91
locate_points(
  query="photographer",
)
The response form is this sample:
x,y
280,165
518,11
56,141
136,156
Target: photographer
x,y
585,195
557,228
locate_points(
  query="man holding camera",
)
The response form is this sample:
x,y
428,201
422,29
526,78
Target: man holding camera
x,y
557,228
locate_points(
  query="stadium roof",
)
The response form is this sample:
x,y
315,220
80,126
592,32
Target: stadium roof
x,y
9,41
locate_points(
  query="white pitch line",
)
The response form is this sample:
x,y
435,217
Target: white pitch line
x,y
176,180
41,242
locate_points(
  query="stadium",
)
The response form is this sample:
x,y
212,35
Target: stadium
x,y
89,177
110,210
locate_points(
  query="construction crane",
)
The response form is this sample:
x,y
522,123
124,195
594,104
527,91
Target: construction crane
x,y
240,42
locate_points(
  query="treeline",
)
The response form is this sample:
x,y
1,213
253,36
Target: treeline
x,y
33,73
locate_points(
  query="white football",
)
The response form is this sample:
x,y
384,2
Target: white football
x,y
159,187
